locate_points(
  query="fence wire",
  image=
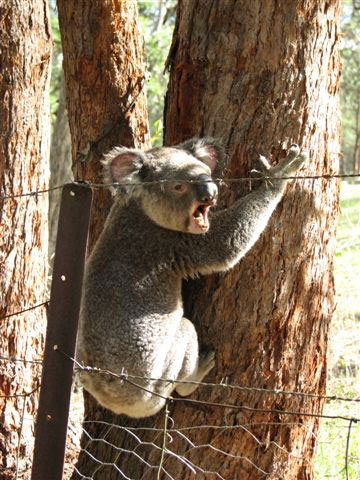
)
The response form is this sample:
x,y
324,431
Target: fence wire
x,y
219,180
174,448
164,452
28,309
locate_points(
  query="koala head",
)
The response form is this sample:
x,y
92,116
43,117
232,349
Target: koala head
x,y
173,185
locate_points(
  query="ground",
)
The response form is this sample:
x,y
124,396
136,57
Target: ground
x,y
344,348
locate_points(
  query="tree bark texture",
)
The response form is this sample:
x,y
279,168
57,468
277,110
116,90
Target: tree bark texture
x,y
25,50
259,76
264,75
105,86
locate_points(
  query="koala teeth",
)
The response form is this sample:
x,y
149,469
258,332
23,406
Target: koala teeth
x,y
200,216
199,212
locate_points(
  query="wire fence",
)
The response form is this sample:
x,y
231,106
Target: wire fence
x,y
172,448
172,451
159,450
187,444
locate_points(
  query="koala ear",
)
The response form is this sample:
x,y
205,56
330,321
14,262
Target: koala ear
x,y
122,165
209,151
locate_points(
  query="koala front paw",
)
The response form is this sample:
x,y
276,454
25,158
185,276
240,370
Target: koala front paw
x,y
293,161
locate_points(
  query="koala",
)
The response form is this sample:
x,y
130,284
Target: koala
x,y
159,231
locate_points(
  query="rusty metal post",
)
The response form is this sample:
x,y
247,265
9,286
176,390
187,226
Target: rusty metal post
x,y
52,417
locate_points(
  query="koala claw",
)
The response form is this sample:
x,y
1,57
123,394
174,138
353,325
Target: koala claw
x,y
261,167
264,163
291,163
293,152
296,163
207,361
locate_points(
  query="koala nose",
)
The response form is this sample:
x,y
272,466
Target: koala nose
x,y
207,192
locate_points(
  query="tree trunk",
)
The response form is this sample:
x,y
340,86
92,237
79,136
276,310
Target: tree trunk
x,y
263,77
25,50
60,165
105,83
257,77
105,91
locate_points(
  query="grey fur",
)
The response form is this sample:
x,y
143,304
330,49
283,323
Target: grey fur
x,y
132,314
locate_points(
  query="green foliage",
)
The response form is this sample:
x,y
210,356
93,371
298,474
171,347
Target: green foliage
x,y
157,20
332,445
56,67
350,83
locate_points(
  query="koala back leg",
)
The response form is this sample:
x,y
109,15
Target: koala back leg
x,y
195,367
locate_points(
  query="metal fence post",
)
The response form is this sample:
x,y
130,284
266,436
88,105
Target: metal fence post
x,y
52,417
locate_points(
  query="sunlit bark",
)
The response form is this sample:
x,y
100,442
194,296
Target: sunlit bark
x,y
25,49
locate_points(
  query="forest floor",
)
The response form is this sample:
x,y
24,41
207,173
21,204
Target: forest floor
x,y
344,350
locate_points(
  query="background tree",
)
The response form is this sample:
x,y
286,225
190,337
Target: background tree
x,y
25,49
105,84
60,151
350,84
157,20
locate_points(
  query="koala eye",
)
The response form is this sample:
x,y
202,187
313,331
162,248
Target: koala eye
x,y
180,187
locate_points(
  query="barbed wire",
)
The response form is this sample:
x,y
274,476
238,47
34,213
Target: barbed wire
x,y
19,360
23,394
98,186
169,432
123,376
32,194
46,303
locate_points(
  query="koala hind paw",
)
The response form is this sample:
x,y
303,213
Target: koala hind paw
x,y
206,362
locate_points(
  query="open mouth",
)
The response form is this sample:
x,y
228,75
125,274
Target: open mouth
x,y
199,217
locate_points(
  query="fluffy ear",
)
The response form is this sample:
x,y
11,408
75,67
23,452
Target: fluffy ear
x,y
122,165
209,151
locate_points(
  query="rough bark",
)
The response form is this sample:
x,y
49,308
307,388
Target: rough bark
x,y
105,80
25,49
258,75
267,76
